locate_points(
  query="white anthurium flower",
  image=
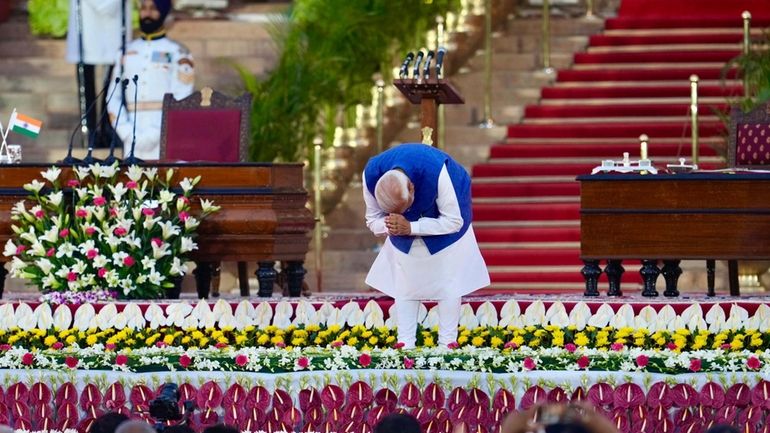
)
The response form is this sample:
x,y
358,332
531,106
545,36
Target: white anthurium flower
x,y
624,317
486,314
51,235
10,249
391,322
25,317
191,223
34,186
44,316
244,315
62,317
467,318
154,315
148,263
647,319
118,191
65,250
7,318
221,307
149,223
177,313
120,321
579,315
134,318
52,174
324,312
556,314
45,265
155,278
55,198
106,316
283,313
263,315
134,173
187,184
187,245
374,315
151,172
535,314
602,317
227,321
431,319
37,249
84,317
177,267
509,312
207,206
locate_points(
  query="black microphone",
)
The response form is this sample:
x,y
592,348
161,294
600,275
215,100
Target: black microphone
x,y
113,141
426,70
440,62
405,66
69,159
132,160
416,71
89,159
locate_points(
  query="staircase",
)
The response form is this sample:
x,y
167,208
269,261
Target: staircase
x,y
632,79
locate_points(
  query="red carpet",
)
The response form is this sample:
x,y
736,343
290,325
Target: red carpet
x,y
618,110
682,91
527,234
694,10
656,56
529,189
638,74
503,169
597,151
621,40
526,212
632,129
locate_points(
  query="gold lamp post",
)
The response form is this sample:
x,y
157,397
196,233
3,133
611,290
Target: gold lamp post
x,y
694,116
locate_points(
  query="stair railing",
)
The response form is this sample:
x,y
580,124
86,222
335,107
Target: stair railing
x,y
487,122
546,38
694,116
746,15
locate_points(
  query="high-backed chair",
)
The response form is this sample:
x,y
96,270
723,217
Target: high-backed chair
x,y
207,126
749,138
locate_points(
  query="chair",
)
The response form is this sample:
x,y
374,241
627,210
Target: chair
x,y
214,128
749,138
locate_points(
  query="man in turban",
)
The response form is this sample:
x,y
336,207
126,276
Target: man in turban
x,y
162,66
420,198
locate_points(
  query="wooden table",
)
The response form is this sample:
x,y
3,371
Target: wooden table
x,y
263,216
672,217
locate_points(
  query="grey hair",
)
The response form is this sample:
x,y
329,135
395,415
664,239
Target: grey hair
x,y
135,427
392,190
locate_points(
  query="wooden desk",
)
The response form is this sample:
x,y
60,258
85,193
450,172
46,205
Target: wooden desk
x,y
671,217
264,217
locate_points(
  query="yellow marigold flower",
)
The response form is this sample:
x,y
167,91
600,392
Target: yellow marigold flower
x,y
540,333
639,342
736,344
334,328
428,341
462,339
196,335
169,339
518,340
276,339
70,339
186,339
12,339
352,341
50,340
756,341
297,341
496,342
683,331
373,340
129,341
203,342
91,340
660,341
581,339
223,340
534,343
343,335
477,341
466,333
318,340
263,339
366,334
390,339
270,328
312,328
240,339
216,334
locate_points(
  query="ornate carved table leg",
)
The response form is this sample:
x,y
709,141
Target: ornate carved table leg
x,y
614,271
266,276
3,273
671,272
649,272
710,274
295,273
203,272
591,272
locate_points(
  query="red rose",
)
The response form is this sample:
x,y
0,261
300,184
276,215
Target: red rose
x,y
121,359
148,212
365,360
101,272
71,276
570,347
28,359
408,362
753,363
71,361
90,230
529,363
642,361
92,253
241,360
119,231
158,242
303,362
183,216
39,214
20,249
185,361
583,362
113,212
81,213
129,261
58,345
695,365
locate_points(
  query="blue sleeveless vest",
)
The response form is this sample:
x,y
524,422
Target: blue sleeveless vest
x,y
422,164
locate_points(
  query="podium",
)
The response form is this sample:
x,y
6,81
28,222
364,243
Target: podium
x,y
429,93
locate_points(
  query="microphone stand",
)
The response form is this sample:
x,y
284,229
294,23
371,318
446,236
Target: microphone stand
x,y
69,159
81,81
132,160
89,159
112,159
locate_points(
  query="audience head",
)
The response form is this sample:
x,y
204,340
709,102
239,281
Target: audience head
x,y
108,422
723,428
221,428
135,427
558,418
184,428
394,192
398,423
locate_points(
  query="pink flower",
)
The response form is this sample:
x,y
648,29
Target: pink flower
x,y
28,359
131,184
725,346
92,253
570,347
73,183
753,363
365,360
337,343
101,272
642,361
39,213
157,242
51,251
695,365
671,346
241,360
71,361
100,201
617,347
184,199
511,345
119,231
185,361
148,212
583,362
113,212
58,345
529,363
63,233
220,345
280,344
183,216
408,362
121,359
109,346
160,344
5,347
71,276
128,261
20,249
303,362
81,213
453,345
399,345
90,230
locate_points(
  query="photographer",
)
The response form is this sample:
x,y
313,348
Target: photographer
x,y
558,418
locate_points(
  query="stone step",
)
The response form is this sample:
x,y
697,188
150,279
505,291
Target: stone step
x,y
35,84
559,26
12,30
520,62
527,43
48,48
36,67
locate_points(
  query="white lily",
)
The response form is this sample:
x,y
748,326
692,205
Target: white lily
x,y
10,249
51,235
177,267
151,172
82,172
148,263
109,171
51,174
82,192
79,267
19,208
118,257
165,197
207,206
158,252
17,266
34,186
50,281
95,169
134,173
156,278
29,235
191,223
118,191
86,246
37,249
187,245
168,229
55,198
187,184
150,222
141,192
65,249
100,261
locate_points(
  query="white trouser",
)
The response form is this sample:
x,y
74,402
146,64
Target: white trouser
x,y
407,315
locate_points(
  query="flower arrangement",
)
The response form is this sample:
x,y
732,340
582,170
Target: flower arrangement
x,y
99,233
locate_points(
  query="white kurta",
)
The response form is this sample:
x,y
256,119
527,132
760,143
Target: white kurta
x,y
101,31
455,271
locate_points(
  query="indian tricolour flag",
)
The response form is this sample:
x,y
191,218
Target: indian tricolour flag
x,y
25,125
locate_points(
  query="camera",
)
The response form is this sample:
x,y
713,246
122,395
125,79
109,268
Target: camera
x,y
165,407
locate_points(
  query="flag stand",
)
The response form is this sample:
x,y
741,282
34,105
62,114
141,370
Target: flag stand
x,y
5,157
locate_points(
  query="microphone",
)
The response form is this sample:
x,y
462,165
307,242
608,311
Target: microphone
x,y
426,70
89,159
440,62
69,159
405,66
111,159
131,160
416,71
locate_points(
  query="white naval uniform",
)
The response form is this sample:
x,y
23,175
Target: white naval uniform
x,y
163,66
454,271
101,31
